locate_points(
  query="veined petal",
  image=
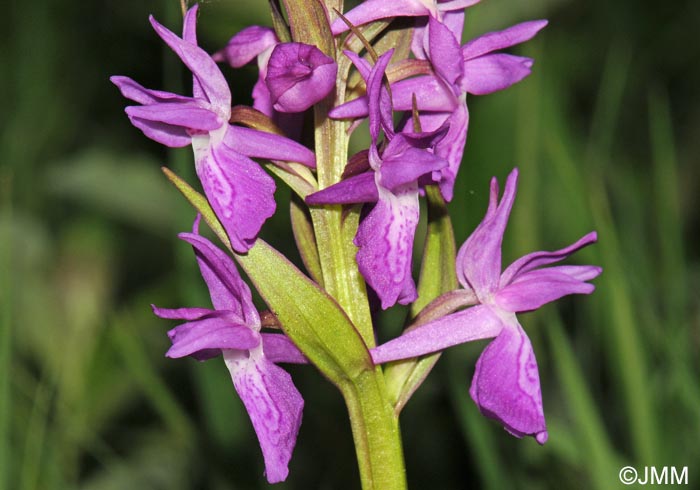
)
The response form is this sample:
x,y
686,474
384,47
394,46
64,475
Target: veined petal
x,y
385,238
506,38
298,76
136,92
371,10
506,384
479,259
245,46
278,348
444,51
201,65
475,323
274,406
494,72
259,144
536,288
210,334
539,259
353,190
239,191
180,313
165,134
227,290
187,116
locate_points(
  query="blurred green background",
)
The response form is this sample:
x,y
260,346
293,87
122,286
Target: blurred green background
x,y
605,133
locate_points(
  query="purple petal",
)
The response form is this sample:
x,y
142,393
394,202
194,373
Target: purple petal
x,y
385,238
278,348
259,144
479,259
245,46
187,116
444,51
536,288
356,108
274,406
431,94
180,313
210,334
239,191
506,384
353,190
475,323
539,259
165,134
494,72
189,34
378,99
210,78
298,76
506,38
136,92
451,147
371,10
227,290
407,167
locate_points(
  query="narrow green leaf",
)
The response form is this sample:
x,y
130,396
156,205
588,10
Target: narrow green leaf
x,y
437,276
306,240
5,324
298,177
309,316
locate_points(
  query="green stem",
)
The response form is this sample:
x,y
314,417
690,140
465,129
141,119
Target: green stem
x,y
375,429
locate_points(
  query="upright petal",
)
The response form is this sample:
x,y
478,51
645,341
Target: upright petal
x,y
227,290
475,323
210,78
444,52
187,115
240,192
479,259
163,133
451,147
506,384
189,34
273,404
136,92
379,100
385,238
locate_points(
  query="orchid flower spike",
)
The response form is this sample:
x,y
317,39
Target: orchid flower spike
x,y
385,236
506,384
473,68
240,192
232,329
